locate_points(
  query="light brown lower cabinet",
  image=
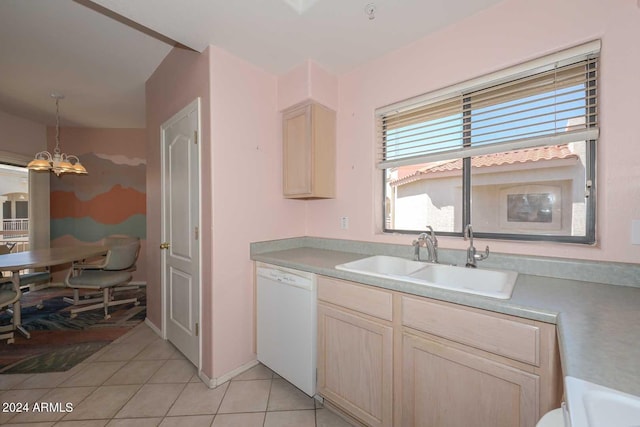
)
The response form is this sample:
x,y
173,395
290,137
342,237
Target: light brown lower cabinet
x,y
446,386
392,359
355,364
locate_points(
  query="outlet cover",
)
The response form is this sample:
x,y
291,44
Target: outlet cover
x,y
344,222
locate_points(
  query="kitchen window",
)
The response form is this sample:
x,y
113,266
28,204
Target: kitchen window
x,y
512,153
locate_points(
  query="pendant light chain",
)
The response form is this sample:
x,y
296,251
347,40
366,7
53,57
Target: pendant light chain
x,y
57,149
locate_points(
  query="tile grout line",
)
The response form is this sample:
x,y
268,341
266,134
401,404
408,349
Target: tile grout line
x,y
226,390
146,382
179,394
174,402
266,409
139,386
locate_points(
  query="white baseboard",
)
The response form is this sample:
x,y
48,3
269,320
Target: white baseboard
x,y
153,327
215,382
210,382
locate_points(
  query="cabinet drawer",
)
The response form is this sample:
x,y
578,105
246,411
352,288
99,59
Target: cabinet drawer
x,y
367,300
495,334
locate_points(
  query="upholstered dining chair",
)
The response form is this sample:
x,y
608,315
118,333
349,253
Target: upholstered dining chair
x,y
9,294
115,240
112,271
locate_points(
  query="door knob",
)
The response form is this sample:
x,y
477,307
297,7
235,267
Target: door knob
x,y
164,245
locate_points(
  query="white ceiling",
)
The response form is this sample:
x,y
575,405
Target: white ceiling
x,y
100,61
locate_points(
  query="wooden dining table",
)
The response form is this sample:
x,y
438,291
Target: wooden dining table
x,y
38,258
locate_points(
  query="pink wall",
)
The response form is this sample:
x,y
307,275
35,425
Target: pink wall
x,y
307,81
509,33
323,86
293,86
241,190
21,136
247,197
181,77
128,143
242,154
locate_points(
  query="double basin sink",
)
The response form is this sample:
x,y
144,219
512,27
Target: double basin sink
x,y
478,281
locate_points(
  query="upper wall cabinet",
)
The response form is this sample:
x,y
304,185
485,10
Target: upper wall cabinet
x,y
309,149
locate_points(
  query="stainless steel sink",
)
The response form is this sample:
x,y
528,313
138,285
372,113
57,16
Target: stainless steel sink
x,y
479,281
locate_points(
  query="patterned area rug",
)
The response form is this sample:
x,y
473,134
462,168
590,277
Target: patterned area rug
x,y
56,360
59,342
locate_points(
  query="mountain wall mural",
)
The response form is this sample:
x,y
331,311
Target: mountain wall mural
x,y
110,200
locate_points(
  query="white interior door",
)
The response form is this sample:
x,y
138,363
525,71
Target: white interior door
x,y
181,220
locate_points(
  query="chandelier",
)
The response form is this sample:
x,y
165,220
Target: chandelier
x,y
58,162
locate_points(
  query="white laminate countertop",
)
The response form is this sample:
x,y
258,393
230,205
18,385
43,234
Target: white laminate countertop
x,y
598,325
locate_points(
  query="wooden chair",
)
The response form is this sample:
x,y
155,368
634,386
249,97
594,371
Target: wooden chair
x,y
104,275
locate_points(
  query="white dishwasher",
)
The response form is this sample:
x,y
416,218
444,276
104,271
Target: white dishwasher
x,y
287,324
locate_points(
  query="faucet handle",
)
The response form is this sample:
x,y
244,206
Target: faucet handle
x,y
484,255
433,235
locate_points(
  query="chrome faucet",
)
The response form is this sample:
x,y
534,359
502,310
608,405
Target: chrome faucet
x,y
430,241
472,256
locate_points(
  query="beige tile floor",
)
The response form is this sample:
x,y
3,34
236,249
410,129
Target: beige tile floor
x,y
141,380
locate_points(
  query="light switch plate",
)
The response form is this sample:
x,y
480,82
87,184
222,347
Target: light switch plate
x,y
635,232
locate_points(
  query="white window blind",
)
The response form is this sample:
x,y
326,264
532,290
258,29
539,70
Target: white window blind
x,y
548,101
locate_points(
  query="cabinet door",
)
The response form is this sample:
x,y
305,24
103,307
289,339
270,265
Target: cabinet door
x,y
297,152
355,362
445,386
